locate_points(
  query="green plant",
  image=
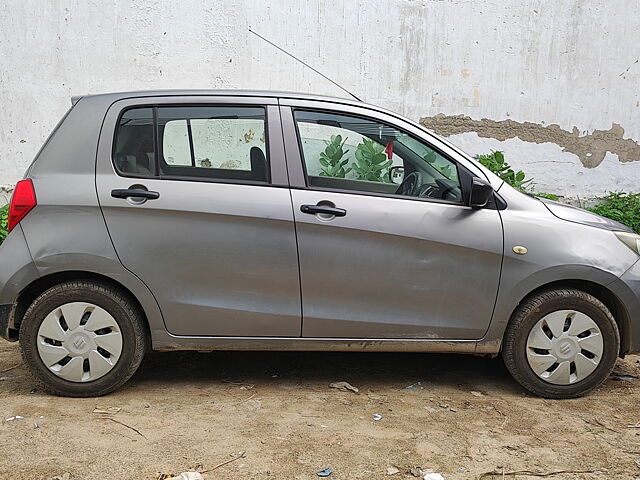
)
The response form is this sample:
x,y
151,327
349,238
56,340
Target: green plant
x,y
431,158
4,216
331,158
548,196
622,207
495,162
372,163
619,206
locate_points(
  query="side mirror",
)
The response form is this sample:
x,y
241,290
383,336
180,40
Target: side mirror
x,y
396,174
481,193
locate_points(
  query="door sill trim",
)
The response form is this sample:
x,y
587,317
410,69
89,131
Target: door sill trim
x,y
163,341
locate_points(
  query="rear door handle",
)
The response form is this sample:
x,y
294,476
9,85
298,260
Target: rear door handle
x,y
327,210
134,192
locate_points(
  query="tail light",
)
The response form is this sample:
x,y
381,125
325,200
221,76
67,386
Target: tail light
x,y
22,202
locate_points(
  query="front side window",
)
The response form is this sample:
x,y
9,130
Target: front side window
x,y
351,153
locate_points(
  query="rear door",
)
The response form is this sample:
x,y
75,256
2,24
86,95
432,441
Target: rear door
x,y
387,246
194,194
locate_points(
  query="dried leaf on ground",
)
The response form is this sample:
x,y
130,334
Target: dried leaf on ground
x,y
344,386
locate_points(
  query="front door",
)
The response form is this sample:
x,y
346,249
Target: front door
x,y
387,247
195,201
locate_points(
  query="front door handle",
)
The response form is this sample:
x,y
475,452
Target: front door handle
x,y
134,192
327,210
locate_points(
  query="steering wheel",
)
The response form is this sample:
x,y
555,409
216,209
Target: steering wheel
x,y
445,188
411,184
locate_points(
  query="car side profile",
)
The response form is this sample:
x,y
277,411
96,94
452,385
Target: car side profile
x,y
237,220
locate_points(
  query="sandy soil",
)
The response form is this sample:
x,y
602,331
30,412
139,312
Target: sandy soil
x,y
194,411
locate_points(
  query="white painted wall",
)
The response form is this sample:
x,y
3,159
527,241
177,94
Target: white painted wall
x,y
573,63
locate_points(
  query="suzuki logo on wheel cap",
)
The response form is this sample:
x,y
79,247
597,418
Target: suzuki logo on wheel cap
x,y
565,348
79,342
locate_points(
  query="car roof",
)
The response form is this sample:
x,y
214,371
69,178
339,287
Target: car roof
x,y
115,96
235,93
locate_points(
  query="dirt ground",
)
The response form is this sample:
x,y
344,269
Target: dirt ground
x,y
186,411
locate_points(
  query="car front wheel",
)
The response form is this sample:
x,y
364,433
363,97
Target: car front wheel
x,y
561,343
83,338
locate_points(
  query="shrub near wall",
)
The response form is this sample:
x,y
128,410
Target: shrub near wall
x,y
622,207
4,212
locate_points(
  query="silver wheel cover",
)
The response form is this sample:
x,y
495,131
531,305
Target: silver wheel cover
x,y
564,347
79,342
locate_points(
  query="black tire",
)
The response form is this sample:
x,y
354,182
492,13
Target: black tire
x,y
529,312
123,309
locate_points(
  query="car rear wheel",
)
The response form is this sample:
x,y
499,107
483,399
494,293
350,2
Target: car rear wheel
x,y
561,343
83,338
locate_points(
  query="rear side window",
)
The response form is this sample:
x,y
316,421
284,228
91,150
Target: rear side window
x,y
213,142
134,148
204,142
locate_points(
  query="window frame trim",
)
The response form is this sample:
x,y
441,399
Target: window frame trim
x,y
191,147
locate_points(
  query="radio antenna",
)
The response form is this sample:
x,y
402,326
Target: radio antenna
x,y
305,64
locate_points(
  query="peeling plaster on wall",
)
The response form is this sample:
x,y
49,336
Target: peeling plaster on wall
x,y
590,148
556,171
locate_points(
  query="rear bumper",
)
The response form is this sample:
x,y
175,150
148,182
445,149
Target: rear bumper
x,y
17,271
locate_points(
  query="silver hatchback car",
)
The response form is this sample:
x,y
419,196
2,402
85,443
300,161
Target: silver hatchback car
x,y
232,220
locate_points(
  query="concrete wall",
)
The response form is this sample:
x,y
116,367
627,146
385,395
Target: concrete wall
x,y
553,84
